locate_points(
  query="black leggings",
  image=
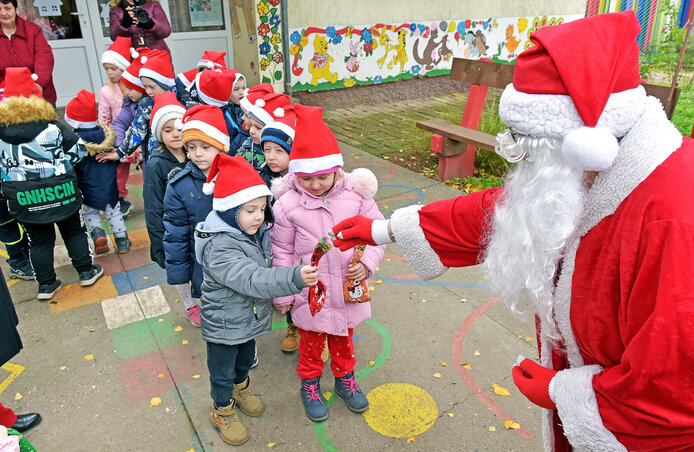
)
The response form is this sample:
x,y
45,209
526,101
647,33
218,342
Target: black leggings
x,y
42,243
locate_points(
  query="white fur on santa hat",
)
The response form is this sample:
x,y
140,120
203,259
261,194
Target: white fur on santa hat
x,y
208,188
590,148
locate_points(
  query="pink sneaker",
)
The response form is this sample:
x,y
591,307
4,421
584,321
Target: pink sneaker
x,y
193,315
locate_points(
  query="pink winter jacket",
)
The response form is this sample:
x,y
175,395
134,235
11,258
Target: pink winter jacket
x,y
301,220
110,106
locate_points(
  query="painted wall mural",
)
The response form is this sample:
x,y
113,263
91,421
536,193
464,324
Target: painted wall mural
x,y
342,57
271,57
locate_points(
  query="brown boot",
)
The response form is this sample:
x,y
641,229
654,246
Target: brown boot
x,y
227,422
326,354
249,404
290,343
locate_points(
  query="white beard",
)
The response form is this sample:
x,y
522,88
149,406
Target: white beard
x,y
539,210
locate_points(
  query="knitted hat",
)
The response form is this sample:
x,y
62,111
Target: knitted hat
x,y
254,93
187,78
205,123
81,112
131,77
118,53
19,81
214,87
315,149
212,60
166,107
262,109
281,129
157,66
233,182
562,88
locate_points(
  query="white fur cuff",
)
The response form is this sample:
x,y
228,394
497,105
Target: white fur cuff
x,y
379,232
572,392
409,236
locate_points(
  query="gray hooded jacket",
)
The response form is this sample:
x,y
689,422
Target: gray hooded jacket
x,y
238,282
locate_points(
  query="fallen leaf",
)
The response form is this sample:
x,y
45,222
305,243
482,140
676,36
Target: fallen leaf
x,y
160,376
463,300
18,396
444,363
154,402
328,395
451,414
492,429
63,367
184,342
191,450
379,282
372,363
388,259
437,375
196,376
423,300
271,444
145,277
511,425
372,288
467,366
177,300
161,320
528,339
477,353
385,207
498,390
88,357
410,440
91,330
178,328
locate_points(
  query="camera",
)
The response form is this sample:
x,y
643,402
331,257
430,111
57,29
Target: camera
x,y
139,12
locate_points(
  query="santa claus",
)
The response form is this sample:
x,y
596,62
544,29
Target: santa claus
x,y
595,226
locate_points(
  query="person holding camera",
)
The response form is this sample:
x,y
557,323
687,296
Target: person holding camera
x,y
143,21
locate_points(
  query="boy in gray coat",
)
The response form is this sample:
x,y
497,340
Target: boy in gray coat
x,y
233,247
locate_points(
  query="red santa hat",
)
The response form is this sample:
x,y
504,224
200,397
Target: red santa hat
x,y
19,81
166,107
187,78
205,123
234,75
254,93
118,53
212,60
157,66
281,129
262,108
131,77
80,112
563,88
233,182
315,150
214,87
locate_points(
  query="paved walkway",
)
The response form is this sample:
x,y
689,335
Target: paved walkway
x,y
97,359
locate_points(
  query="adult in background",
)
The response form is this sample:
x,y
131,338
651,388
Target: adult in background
x,y
143,21
596,227
22,44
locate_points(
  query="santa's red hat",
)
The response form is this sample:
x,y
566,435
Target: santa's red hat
x,y
212,60
205,123
19,81
281,129
157,66
80,112
233,182
563,88
234,75
263,108
131,77
254,93
315,150
118,53
187,77
166,107
214,87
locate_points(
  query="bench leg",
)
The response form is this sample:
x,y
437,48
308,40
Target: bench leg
x,y
462,165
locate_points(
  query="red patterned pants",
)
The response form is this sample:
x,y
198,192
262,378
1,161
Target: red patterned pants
x,y
311,345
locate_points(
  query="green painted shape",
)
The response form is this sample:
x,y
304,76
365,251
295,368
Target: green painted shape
x,y
279,325
144,336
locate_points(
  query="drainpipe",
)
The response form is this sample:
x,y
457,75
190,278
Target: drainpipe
x,y
285,48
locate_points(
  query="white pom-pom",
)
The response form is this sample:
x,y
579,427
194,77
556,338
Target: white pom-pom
x,y
134,53
144,59
218,70
178,124
278,113
590,148
34,77
208,188
260,103
209,65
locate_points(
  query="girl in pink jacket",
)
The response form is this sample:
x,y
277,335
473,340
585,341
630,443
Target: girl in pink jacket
x,y
314,196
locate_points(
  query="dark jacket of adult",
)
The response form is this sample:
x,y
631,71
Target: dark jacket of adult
x,y
152,32
160,164
28,48
10,343
185,205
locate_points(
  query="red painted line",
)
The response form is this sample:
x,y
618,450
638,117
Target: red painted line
x,y
466,375
410,276
392,168
394,256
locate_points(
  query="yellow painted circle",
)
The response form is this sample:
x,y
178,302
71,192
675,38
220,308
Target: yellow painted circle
x,y
399,410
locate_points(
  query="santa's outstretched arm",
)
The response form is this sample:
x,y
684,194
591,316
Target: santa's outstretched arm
x,y
448,233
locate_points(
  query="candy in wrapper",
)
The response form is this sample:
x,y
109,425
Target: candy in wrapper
x,y
356,291
317,293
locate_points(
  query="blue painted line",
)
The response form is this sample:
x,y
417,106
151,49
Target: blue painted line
x,y
134,280
419,282
420,194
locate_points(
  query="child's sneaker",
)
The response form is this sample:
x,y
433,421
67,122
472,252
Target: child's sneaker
x,y
89,277
126,207
123,245
22,271
193,315
248,403
100,241
227,422
314,404
347,388
290,343
46,291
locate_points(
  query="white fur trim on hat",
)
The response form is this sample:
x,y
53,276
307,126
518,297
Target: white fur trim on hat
x,y
208,130
134,53
278,112
114,58
554,115
244,103
149,73
260,115
164,115
281,127
240,197
34,77
208,188
309,166
132,79
78,124
590,148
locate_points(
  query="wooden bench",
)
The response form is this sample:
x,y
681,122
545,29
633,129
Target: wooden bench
x,y
456,144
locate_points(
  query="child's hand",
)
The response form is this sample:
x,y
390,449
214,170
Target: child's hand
x,y
106,156
357,272
310,275
283,309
